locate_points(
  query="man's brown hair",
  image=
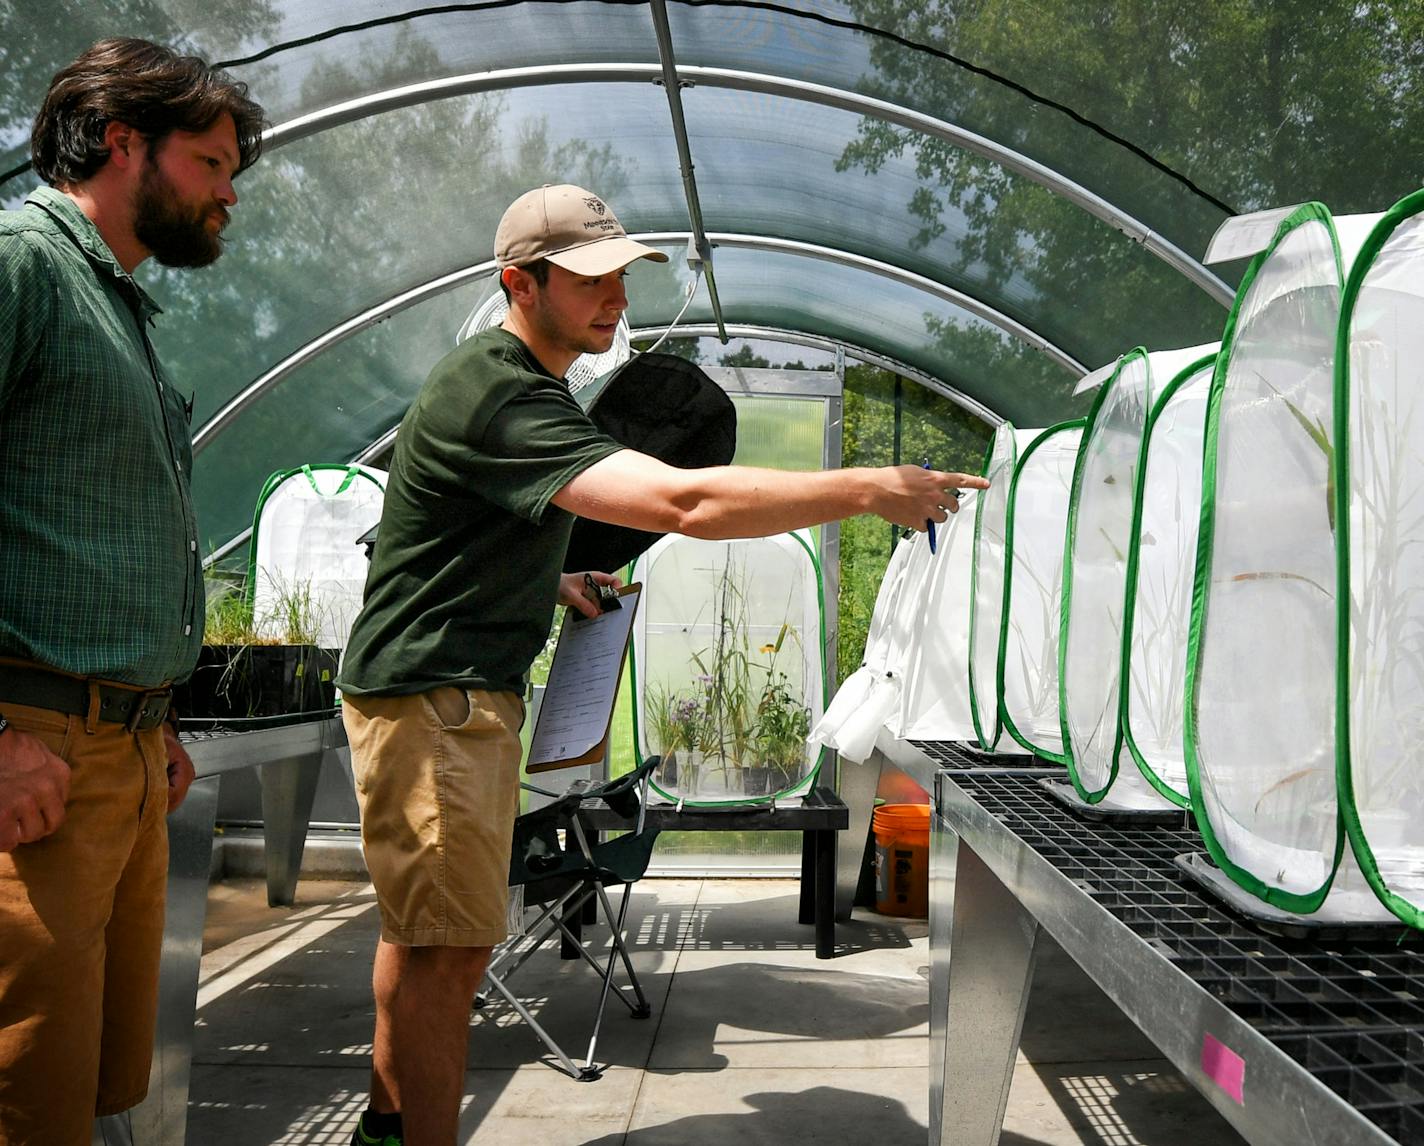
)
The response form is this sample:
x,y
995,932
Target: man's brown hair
x,y
149,87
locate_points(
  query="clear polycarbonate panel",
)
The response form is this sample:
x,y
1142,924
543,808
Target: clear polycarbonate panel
x,y
728,664
986,606
1383,773
1095,589
934,698
1038,522
1161,599
780,433
1262,725
307,570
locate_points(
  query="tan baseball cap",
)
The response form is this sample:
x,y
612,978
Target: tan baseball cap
x,y
570,227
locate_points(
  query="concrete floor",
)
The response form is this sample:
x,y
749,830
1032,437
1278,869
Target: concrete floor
x,y
752,1039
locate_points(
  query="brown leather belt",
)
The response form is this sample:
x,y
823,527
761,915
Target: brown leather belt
x,y
135,708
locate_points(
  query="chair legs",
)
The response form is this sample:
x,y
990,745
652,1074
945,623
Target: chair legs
x,y
551,922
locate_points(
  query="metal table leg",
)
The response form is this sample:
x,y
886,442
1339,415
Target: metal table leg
x,y
825,845
944,850
993,942
162,1118
288,792
857,786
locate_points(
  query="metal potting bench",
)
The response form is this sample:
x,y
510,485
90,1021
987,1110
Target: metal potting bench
x,y
1294,1040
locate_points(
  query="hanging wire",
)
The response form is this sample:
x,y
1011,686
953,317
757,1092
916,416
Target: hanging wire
x,y
691,292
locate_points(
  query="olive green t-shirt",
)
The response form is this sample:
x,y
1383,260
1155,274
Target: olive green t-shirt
x,y
465,573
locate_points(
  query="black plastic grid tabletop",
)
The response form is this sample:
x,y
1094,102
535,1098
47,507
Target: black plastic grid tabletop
x,y
956,755
1351,1013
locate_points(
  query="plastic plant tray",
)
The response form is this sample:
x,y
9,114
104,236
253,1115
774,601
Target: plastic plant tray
x,y
1350,1011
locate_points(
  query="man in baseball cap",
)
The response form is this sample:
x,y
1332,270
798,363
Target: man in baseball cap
x,y
492,463
571,228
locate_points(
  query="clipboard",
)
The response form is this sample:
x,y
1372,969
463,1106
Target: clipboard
x,y
576,714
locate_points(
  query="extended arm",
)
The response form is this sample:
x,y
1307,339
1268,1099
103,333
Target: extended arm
x,y
633,489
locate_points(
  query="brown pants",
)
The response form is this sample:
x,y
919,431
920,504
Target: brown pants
x,y
81,929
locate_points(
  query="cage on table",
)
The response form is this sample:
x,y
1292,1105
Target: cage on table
x,y
1162,562
1379,434
1037,516
728,665
304,552
988,601
1262,658
1096,582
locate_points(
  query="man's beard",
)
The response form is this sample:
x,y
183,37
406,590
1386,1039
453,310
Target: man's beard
x,y
177,234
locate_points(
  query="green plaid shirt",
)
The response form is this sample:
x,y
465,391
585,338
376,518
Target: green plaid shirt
x,y
99,566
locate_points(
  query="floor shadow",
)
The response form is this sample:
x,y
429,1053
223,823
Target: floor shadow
x,y
820,1113
765,925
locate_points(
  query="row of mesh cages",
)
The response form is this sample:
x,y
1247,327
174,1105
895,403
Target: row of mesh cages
x,y
728,666
1209,593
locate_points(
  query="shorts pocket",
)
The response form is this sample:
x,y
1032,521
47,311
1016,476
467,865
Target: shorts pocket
x,y
451,706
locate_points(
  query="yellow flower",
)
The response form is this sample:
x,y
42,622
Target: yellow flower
x,y
768,648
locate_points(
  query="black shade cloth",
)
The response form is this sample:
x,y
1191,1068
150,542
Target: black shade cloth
x,y
664,406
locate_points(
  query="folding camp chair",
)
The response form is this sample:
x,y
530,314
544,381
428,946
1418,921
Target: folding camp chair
x,y
558,864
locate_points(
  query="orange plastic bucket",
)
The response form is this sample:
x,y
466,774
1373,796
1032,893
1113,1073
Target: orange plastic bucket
x,y
902,859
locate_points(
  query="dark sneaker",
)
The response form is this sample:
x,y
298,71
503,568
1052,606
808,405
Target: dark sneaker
x,y
362,1138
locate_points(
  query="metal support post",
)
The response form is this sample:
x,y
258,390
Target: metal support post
x,y
994,941
857,787
288,792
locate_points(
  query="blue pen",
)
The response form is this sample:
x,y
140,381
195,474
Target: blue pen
x,y
929,522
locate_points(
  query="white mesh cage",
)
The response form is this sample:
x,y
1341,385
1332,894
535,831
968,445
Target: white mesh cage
x,y
305,565
1260,722
986,592
1095,586
728,664
1381,395
1160,602
934,695
1037,525
867,697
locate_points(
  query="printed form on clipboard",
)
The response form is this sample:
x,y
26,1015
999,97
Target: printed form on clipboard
x,y
577,710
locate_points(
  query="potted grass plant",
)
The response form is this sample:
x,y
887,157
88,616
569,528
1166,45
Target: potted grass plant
x,y
259,667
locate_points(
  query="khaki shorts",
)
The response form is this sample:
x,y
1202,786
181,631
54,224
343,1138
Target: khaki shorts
x,y
81,930
437,779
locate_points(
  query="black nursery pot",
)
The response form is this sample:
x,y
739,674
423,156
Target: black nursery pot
x,y
244,681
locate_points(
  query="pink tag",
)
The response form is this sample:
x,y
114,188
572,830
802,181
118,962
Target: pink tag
x,y
1224,1067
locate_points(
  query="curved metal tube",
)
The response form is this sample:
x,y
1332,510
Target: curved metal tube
x,y
1007,157
354,325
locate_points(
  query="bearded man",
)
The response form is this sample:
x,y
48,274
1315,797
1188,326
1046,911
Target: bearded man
x,y
101,588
